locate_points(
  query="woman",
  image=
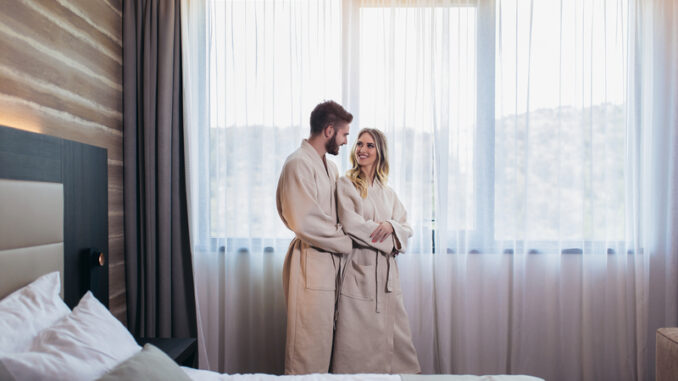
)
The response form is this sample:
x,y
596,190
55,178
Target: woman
x,y
373,332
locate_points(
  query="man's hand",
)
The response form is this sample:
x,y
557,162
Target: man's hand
x,y
382,232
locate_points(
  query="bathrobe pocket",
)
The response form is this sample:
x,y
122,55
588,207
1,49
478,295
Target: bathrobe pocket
x,y
359,282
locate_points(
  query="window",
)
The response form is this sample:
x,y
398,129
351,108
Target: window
x,y
506,119
560,127
419,83
546,173
269,64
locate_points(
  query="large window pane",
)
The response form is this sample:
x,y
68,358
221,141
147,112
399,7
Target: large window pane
x,y
560,120
418,84
270,63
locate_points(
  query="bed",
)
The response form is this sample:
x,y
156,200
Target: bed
x,y
54,321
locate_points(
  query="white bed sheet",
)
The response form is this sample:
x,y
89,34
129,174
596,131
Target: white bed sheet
x,y
205,375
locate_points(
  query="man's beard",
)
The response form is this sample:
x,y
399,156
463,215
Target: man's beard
x,y
331,146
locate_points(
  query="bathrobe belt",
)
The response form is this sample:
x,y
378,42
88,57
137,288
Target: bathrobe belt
x,y
339,280
389,280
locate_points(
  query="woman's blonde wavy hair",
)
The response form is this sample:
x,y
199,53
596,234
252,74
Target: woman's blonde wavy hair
x,y
381,170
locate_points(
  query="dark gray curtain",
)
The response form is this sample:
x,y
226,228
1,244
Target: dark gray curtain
x,y
160,298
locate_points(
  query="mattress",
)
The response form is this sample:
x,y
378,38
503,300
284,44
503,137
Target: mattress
x,y
205,375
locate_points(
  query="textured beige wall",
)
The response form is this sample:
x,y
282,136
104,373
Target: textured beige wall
x,y
61,75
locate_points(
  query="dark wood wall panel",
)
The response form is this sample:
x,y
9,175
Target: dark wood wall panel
x,y
115,4
101,15
34,66
37,118
46,32
56,99
107,44
115,198
61,75
85,199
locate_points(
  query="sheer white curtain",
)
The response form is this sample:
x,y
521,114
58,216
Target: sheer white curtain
x,y
532,142
652,151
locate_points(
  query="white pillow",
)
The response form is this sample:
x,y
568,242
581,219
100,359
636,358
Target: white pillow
x,y
29,310
82,346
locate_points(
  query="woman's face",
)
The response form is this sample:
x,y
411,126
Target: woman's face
x,y
365,150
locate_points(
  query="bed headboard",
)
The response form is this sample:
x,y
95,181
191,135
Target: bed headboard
x,y
53,213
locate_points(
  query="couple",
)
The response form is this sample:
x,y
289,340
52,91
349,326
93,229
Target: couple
x,y
345,309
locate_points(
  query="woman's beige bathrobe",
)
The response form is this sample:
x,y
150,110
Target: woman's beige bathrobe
x,y
373,332
306,203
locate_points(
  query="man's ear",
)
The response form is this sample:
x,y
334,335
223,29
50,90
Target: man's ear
x,y
329,131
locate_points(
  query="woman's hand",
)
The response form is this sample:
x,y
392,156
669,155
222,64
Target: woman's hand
x,y
382,232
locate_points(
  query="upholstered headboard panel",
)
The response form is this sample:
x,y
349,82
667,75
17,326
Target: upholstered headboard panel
x,y
31,232
53,212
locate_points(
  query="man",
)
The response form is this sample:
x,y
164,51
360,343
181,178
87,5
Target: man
x,y
306,204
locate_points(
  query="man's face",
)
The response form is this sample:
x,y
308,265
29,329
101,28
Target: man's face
x,y
339,138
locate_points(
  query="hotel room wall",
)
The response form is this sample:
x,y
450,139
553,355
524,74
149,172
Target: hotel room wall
x,y
61,75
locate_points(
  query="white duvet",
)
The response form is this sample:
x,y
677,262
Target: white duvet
x,y
205,375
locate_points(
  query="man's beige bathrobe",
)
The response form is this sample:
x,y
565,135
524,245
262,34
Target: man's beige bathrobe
x,y
373,332
306,203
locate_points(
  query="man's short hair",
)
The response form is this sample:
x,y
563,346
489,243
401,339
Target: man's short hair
x,y
326,113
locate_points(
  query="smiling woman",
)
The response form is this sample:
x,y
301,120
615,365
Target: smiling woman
x,y
372,330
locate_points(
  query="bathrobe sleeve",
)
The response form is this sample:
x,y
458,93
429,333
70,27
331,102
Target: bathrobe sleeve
x,y
298,206
349,208
402,231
